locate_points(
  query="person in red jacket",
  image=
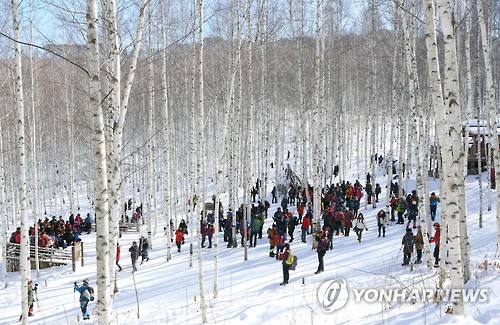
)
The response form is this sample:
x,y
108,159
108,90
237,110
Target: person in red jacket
x,y
306,223
300,211
286,267
15,238
179,237
435,239
118,257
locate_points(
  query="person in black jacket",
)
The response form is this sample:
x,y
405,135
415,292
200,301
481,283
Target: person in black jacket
x,y
134,255
407,242
143,247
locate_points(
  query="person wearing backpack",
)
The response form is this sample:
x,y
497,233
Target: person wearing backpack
x,y
322,239
408,241
86,295
287,259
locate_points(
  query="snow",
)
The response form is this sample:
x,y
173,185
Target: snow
x,y
249,291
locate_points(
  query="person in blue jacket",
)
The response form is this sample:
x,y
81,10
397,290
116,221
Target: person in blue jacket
x,y
86,295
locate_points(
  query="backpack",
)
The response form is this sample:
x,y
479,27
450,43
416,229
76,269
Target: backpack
x,y
88,294
13,238
292,262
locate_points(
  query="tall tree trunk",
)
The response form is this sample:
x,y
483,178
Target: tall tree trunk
x,y
24,257
448,124
201,146
491,106
34,160
167,137
100,170
3,213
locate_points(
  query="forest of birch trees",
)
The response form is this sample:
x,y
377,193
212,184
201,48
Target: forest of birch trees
x,y
164,99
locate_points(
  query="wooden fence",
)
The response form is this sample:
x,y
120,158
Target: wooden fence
x,y
47,257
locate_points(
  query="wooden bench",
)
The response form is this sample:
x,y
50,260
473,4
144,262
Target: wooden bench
x,y
127,226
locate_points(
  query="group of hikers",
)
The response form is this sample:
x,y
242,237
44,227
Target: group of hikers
x,y
340,204
56,232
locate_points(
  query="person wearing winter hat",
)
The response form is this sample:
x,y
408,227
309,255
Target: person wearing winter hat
x,y
86,295
321,249
286,267
407,242
435,239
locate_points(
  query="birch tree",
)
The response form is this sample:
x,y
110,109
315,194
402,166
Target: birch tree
x,y
24,254
100,170
491,107
447,110
3,212
201,145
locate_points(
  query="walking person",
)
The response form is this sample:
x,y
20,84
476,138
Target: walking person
x,y
433,202
86,295
118,257
274,194
211,230
134,255
179,238
287,259
435,239
256,225
381,222
305,228
272,234
30,297
359,226
401,207
322,240
408,241
144,247
419,244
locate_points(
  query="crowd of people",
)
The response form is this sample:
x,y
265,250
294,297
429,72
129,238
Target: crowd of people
x,y
57,232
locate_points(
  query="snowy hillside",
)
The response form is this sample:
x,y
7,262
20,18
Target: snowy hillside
x,y
249,292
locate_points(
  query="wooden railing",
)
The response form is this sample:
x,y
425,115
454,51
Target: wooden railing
x,y
47,257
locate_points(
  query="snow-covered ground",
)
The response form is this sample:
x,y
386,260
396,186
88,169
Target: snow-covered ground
x,y
249,291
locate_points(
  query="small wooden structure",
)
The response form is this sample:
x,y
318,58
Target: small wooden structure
x,y
48,257
478,135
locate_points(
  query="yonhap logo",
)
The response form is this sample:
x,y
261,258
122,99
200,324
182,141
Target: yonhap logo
x,y
333,295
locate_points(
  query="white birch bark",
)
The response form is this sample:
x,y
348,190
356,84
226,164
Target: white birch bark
x,y
448,126
24,258
491,106
100,170
150,189
3,212
118,113
34,160
167,137
201,145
